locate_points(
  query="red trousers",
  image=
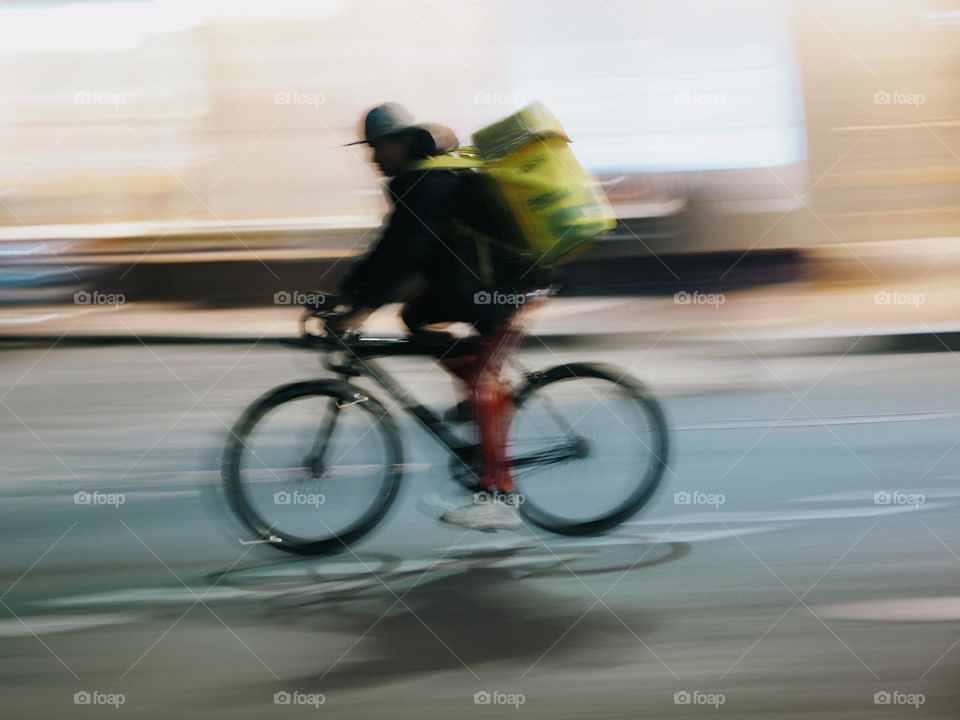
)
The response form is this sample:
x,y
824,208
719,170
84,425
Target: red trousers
x,y
491,400
480,366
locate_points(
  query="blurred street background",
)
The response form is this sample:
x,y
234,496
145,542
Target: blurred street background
x,y
783,277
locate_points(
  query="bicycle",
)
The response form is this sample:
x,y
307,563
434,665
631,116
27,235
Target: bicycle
x,y
333,435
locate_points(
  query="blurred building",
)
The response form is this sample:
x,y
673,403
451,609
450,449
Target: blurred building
x,y
723,125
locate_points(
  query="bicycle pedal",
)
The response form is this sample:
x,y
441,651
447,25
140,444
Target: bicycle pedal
x,y
357,398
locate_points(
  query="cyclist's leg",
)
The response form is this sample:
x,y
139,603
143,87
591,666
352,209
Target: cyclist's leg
x,y
492,403
425,315
479,366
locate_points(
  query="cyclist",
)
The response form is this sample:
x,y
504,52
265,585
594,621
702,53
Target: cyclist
x,y
419,241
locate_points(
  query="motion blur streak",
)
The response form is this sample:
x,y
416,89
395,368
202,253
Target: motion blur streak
x,y
783,278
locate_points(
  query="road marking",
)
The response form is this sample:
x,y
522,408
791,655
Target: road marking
x,y
916,609
621,540
148,596
768,516
868,495
696,536
50,624
819,422
135,495
28,320
326,577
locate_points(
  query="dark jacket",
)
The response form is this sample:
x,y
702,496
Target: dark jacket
x,y
418,239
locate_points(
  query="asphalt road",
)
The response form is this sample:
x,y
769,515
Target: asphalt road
x,y
797,592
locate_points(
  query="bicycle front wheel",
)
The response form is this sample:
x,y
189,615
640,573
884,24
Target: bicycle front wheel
x,y
589,446
313,466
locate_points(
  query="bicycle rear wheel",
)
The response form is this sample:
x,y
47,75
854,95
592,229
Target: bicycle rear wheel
x,y
313,466
589,446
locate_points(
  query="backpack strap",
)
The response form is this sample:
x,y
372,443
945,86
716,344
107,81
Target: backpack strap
x,y
464,158
483,244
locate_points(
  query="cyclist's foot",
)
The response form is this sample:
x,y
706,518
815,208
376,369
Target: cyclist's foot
x,y
459,413
485,513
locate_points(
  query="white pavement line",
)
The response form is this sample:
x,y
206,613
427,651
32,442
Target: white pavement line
x,y
149,596
191,477
911,609
635,540
813,422
29,319
29,626
768,516
868,495
135,495
695,536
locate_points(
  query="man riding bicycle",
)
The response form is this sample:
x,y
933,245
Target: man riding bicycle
x,y
457,280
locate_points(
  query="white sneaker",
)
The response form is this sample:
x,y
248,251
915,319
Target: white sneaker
x,y
484,514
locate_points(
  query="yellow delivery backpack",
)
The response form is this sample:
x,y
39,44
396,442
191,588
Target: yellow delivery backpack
x,y
546,205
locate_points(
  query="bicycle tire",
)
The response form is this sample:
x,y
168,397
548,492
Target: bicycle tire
x,y
236,491
652,474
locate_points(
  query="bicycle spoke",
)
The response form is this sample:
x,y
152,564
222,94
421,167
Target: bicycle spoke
x,y
600,462
311,472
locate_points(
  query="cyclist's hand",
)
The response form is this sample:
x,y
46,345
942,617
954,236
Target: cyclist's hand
x,y
350,320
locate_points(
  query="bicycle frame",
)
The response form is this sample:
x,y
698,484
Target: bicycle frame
x,y
360,361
